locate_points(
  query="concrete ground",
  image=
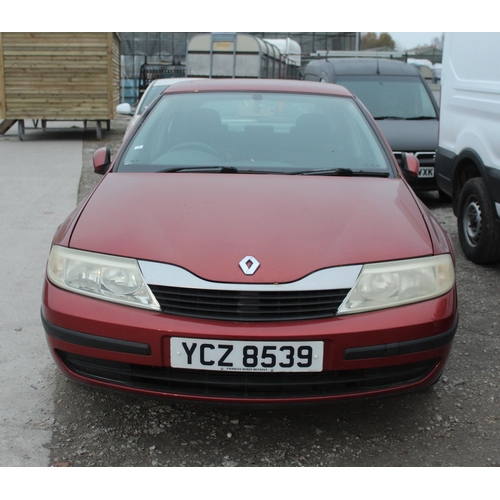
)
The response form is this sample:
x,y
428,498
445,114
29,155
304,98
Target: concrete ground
x,y
38,188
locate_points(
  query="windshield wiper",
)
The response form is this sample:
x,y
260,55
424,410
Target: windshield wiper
x,y
423,117
342,172
223,170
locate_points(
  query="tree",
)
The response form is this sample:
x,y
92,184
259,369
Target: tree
x,y
370,40
436,43
385,40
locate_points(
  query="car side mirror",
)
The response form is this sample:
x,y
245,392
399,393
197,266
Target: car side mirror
x,y
102,160
409,164
124,109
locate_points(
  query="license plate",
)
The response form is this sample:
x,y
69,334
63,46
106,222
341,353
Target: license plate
x,y
237,355
426,172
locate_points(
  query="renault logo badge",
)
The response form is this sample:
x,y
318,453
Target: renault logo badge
x,y
249,265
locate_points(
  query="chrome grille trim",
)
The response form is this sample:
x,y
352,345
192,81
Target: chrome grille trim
x,y
156,273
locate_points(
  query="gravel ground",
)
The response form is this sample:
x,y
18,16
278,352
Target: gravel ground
x,y
455,423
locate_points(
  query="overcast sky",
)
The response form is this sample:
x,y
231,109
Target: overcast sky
x,y
409,40
257,15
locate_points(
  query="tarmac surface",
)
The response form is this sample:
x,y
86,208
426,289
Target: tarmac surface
x,y
47,420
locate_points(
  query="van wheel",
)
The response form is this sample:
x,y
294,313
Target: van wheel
x,y
478,229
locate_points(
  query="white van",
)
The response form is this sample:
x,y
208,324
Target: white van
x,y
468,156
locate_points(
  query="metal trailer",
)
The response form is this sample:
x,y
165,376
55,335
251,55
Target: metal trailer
x,y
237,55
58,77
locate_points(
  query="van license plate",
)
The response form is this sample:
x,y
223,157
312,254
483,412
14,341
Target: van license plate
x,y
248,356
426,172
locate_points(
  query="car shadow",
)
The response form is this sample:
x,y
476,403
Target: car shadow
x,y
95,427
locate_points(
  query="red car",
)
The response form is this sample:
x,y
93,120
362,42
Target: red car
x,y
252,242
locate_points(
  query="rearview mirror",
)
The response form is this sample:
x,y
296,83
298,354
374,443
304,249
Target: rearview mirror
x,y
102,160
124,109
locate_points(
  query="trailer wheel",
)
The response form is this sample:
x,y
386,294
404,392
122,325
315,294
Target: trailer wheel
x,y
20,130
98,130
478,229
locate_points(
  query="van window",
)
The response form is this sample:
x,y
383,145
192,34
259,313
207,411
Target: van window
x,y
403,97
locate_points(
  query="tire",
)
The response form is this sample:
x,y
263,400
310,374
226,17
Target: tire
x,y
478,229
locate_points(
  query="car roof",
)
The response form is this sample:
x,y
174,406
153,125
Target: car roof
x,y
257,85
371,66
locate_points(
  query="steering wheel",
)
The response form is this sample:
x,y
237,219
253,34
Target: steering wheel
x,y
196,146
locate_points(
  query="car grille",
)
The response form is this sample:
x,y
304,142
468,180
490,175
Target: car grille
x,y
249,306
425,158
247,385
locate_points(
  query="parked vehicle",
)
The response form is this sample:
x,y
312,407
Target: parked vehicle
x,y
239,55
468,157
154,89
252,242
398,97
289,48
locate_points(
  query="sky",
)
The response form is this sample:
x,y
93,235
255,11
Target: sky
x,y
409,40
255,16
258,16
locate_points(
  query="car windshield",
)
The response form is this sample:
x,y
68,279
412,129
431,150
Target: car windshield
x,y
397,97
256,132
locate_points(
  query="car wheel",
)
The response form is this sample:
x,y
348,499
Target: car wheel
x,y
478,229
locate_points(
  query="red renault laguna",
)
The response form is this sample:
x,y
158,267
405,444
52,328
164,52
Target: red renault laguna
x,y
252,242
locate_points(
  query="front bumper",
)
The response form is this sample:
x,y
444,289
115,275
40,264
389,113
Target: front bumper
x,y
365,355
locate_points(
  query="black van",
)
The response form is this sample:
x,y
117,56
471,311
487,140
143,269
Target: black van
x,y
398,97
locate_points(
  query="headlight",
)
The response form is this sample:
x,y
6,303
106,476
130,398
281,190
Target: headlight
x,y
390,284
105,277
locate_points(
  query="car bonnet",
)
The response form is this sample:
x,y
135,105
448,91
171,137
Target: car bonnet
x,y
293,225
